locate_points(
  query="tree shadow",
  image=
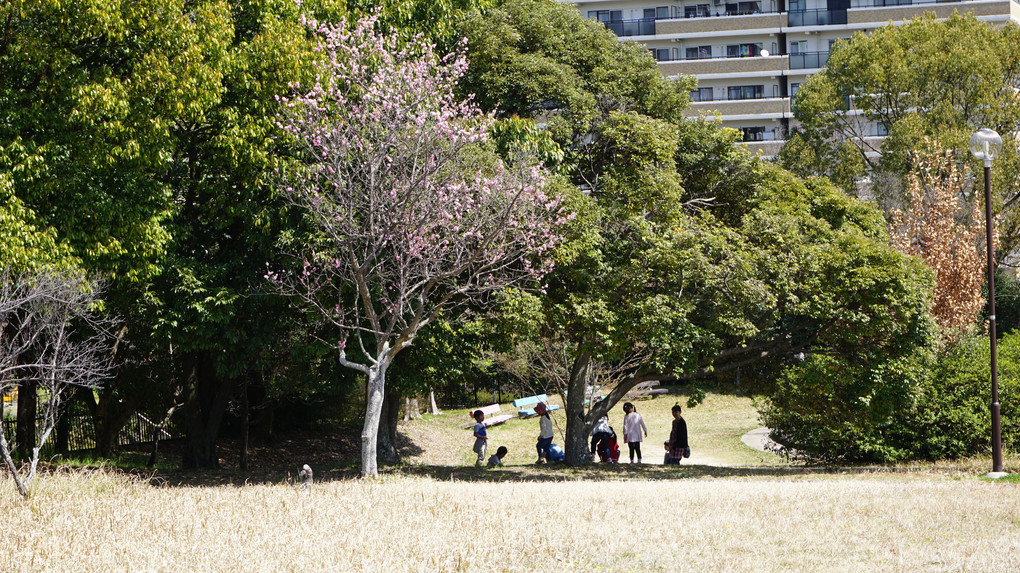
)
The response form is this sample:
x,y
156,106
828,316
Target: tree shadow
x,y
545,473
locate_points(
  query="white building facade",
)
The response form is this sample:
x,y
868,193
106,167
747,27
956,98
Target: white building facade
x,y
750,57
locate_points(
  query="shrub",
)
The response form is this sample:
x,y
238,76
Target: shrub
x,y
929,406
829,409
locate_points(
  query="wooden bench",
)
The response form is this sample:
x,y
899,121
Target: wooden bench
x,y
523,403
491,417
646,389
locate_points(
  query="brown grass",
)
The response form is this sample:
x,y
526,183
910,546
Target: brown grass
x,y
757,513
101,521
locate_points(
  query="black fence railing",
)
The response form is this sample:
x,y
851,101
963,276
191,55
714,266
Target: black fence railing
x,y
816,17
808,60
641,27
81,433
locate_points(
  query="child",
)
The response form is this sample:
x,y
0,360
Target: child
x,y
677,445
496,460
600,438
545,433
633,423
481,438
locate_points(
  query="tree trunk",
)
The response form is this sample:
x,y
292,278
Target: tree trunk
x,y
433,409
388,428
62,438
27,412
109,415
578,427
373,412
206,402
243,458
156,436
411,409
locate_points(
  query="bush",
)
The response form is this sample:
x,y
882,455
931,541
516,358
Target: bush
x,y
950,417
929,406
831,410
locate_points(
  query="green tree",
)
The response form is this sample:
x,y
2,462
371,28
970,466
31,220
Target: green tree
x,y
688,258
925,80
143,134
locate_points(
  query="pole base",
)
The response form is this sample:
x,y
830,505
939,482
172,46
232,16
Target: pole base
x,y
995,475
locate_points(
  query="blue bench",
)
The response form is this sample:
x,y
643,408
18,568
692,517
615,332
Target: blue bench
x,y
523,404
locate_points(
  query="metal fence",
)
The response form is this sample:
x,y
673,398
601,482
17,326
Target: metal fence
x,y
816,17
81,433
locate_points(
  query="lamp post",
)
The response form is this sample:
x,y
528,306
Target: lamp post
x,y
985,144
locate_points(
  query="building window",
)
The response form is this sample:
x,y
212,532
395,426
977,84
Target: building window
x,y
742,8
742,50
605,15
793,89
699,53
798,47
753,133
699,11
745,92
833,42
660,54
658,13
881,129
702,94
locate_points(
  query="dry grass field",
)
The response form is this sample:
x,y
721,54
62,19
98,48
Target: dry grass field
x,y
745,511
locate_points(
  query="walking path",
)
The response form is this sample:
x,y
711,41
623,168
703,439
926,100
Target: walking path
x,y
759,440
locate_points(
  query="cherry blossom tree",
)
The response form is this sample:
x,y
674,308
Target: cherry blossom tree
x,y
413,212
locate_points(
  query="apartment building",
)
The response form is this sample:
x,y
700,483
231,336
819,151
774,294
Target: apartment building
x,y
751,56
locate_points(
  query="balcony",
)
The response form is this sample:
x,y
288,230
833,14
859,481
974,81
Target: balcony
x,y
772,65
639,27
887,3
808,60
737,108
816,17
721,22
765,149
883,11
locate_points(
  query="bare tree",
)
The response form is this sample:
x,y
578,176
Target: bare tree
x,y
50,335
413,215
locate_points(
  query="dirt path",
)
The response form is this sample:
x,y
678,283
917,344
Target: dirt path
x,y
655,458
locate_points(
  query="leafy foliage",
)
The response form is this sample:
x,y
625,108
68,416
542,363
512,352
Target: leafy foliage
x,y
924,80
931,405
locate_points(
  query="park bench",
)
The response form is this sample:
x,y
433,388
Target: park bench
x,y
646,389
525,412
491,417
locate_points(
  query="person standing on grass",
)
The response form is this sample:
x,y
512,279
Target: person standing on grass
x,y
677,447
545,433
633,423
481,437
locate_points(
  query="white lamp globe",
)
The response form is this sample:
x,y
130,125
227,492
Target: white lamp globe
x,y
986,145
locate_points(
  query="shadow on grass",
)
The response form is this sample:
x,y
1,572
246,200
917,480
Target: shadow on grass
x,y
526,473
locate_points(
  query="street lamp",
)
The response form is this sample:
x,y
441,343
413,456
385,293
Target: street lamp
x,y
985,144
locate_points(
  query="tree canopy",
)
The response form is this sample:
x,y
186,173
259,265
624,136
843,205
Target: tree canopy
x,y
923,80
688,258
